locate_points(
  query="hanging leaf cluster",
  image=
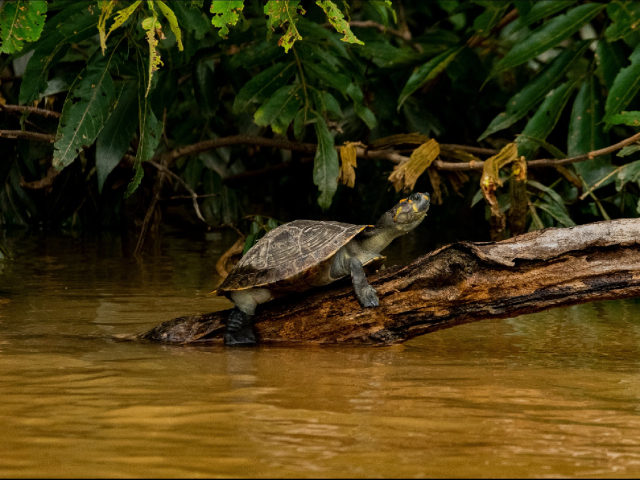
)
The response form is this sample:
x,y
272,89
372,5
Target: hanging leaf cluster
x,y
134,80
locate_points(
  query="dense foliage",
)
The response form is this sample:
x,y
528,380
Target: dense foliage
x,y
137,81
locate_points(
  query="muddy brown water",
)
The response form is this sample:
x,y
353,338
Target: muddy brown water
x,y
545,395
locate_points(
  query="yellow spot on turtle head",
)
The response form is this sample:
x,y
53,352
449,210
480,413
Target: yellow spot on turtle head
x,y
415,208
398,212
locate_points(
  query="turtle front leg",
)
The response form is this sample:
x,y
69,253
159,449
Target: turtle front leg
x,y
365,293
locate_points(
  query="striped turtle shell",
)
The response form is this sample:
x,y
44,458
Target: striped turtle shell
x,y
290,255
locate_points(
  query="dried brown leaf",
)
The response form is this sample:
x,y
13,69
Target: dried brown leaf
x,y
228,259
457,180
492,166
517,216
348,163
399,139
459,155
405,175
490,181
436,194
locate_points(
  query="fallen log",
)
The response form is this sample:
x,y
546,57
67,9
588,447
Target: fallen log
x,y
456,284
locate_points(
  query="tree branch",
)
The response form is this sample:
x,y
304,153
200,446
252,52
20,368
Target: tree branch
x,y
554,162
38,111
36,137
192,193
456,284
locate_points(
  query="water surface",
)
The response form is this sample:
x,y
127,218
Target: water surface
x,y
545,395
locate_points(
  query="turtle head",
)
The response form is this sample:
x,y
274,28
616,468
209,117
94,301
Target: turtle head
x,y
407,214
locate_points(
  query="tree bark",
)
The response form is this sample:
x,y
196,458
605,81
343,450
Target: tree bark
x,y
457,284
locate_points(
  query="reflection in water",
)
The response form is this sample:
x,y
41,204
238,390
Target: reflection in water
x,y
552,394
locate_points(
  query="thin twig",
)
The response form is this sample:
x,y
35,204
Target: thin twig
x,y
378,26
38,111
587,156
192,194
601,181
27,122
37,137
477,40
147,218
309,148
206,195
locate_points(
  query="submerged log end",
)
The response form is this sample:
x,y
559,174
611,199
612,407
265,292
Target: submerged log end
x,y
457,284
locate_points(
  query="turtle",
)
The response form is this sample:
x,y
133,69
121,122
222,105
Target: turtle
x,y
304,254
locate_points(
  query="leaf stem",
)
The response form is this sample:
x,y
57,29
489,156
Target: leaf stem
x,y
304,84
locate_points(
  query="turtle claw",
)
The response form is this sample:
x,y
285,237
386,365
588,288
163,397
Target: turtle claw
x,y
368,297
239,329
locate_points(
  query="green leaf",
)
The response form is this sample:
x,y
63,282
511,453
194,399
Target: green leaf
x,y
115,137
625,15
263,86
624,88
552,149
205,96
336,18
122,16
151,25
540,10
21,21
225,12
326,103
299,123
548,36
549,191
427,72
585,130
173,21
558,213
524,7
494,11
191,18
271,224
281,12
258,54
628,150
280,109
106,8
553,204
150,127
610,60
332,79
544,120
380,8
383,54
51,48
84,113
626,118
586,133
34,80
363,112
628,173
523,101
326,167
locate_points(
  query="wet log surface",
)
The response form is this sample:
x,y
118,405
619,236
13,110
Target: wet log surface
x,y
454,285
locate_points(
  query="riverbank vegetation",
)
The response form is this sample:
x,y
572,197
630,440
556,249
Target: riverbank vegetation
x,y
516,116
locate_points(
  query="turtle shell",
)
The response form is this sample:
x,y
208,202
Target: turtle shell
x,y
288,252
